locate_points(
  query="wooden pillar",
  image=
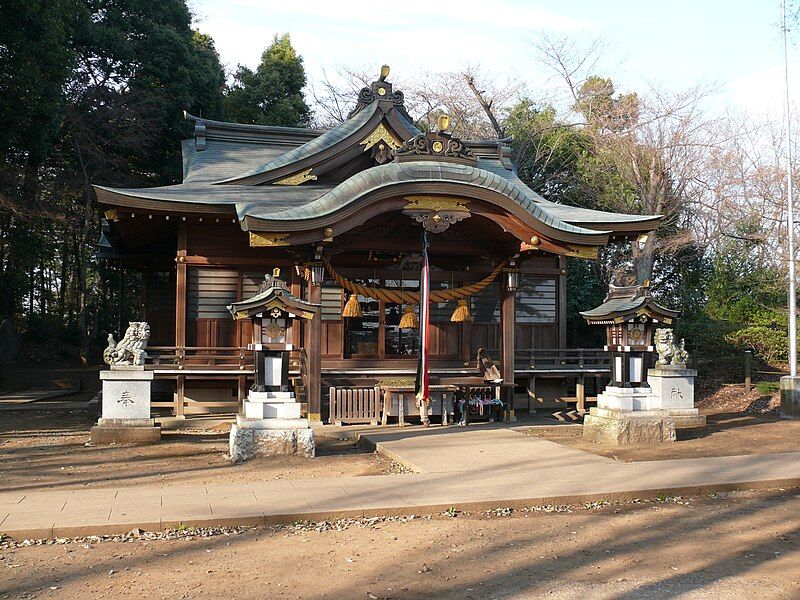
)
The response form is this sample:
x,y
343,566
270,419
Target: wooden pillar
x,y
313,347
580,392
294,334
562,301
180,288
507,326
180,315
180,396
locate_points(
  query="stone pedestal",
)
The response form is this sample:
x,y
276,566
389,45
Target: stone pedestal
x,y
271,426
648,414
624,417
125,416
790,397
672,389
628,427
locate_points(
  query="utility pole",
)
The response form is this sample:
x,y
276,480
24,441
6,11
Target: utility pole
x,y
790,208
790,384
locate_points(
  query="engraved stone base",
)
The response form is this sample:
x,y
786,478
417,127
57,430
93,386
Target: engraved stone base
x,y
628,428
126,408
246,443
790,397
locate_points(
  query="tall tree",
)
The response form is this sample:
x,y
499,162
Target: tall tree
x,y
91,91
273,93
646,151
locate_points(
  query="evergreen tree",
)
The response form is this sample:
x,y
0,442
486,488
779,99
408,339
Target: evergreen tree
x,y
273,93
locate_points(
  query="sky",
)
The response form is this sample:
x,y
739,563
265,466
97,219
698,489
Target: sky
x,y
731,46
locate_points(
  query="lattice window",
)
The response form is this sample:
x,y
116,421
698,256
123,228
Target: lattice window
x,y
210,291
536,300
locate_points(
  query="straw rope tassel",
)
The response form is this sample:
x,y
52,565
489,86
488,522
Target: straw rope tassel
x,y
352,309
461,313
410,319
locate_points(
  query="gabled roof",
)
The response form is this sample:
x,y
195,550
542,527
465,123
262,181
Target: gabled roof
x,y
272,294
622,303
284,178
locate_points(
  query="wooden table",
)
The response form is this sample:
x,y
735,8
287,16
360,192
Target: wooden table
x,y
401,391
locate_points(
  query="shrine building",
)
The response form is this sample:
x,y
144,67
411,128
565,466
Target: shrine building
x,y
340,213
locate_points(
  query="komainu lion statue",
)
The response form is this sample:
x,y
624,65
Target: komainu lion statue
x,y
670,353
130,349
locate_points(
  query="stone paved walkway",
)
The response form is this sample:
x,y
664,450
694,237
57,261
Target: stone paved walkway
x,y
467,468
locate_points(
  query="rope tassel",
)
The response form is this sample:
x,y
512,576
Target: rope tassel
x,y
461,313
410,319
352,309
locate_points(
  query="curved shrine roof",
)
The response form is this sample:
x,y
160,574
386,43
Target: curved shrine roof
x,y
237,169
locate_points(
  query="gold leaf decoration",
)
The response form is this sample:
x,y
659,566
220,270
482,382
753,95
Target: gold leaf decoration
x,y
583,251
297,178
266,240
381,134
436,203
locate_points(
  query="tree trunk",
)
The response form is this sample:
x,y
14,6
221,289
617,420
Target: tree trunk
x,y
63,282
644,258
83,318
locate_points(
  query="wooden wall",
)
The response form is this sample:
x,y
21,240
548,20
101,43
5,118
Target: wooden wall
x,y
222,268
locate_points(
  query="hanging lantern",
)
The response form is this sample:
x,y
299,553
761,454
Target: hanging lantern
x,y
512,279
352,309
512,275
461,313
410,319
317,273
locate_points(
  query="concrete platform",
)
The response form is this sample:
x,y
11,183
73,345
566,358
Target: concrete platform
x,y
468,468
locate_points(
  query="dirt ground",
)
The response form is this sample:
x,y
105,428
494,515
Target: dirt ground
x,y
48,450
726,434
630,551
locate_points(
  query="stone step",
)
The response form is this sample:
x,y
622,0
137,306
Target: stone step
x,y
272,410
247,423
253,396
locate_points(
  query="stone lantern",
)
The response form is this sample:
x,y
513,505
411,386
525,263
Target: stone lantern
x,y
271,424
641,404
630,316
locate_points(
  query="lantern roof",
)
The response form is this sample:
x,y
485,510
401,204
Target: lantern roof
x,y
272,294
624,303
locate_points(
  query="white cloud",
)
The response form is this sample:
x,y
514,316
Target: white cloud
x,y
417,34
763,91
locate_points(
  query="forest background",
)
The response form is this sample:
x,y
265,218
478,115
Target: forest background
x,y
93,92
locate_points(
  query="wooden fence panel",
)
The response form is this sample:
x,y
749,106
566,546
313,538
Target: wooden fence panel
x,y
355,405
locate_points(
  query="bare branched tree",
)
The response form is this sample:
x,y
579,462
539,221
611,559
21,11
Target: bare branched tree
x,y
648,149
427,95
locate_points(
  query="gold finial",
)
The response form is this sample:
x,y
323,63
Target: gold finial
x,y
444,122
276,272
535,240
384,72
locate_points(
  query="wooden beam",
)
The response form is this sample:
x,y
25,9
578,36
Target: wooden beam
x,y
180,396
508,325
313,347
180,288
562,302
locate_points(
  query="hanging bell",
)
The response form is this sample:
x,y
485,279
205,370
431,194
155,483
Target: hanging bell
x,y
461,313
410,319
352,308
